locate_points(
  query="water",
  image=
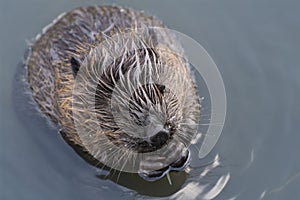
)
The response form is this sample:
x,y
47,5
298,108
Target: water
x,y
256,47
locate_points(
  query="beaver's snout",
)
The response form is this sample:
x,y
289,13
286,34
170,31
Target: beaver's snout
x,y
152,143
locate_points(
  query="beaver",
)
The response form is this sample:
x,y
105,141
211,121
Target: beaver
x,y
117,84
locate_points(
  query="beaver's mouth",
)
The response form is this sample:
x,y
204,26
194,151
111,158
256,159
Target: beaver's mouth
x,y
178,165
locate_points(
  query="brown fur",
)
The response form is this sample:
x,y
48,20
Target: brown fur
x,y
73,36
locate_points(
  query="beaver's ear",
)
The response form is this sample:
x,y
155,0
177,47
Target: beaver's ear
x,y
75,64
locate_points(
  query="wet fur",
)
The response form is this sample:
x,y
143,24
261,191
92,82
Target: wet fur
x,y
54,61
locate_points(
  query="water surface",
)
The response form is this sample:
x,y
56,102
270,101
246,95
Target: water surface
x,y
256,47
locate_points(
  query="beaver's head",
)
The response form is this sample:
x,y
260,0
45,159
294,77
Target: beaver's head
x,y
145,107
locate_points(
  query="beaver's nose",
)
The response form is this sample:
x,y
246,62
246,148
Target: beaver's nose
x,y
160,138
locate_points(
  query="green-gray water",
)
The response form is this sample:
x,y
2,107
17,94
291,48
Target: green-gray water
x,y
256,46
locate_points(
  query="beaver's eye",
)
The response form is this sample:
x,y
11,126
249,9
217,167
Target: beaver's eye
x,y
168,126
161,88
